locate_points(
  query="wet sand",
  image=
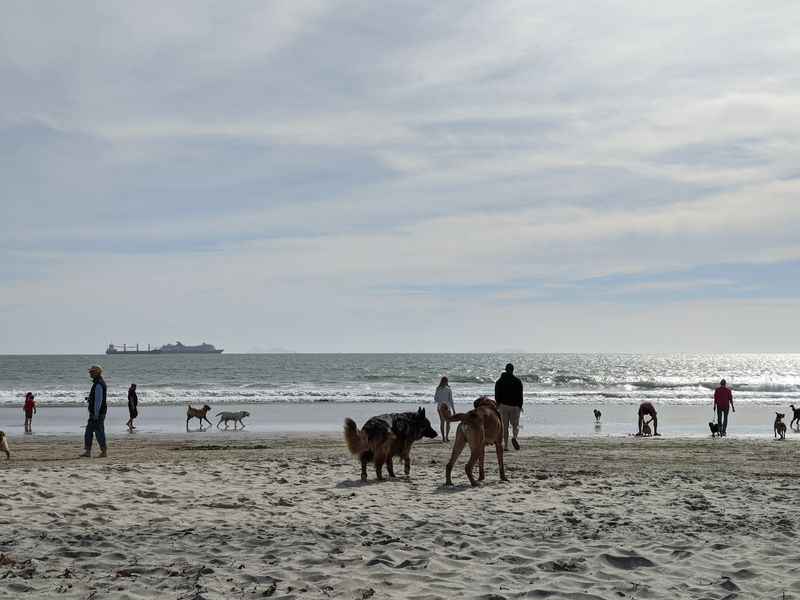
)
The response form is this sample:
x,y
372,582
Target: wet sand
x,y
550,420
287,517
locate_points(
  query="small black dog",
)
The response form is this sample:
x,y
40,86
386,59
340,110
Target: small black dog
x,y
795,418
714,427
597,415
779,428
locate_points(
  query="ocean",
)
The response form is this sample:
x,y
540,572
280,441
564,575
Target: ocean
x,y
321,388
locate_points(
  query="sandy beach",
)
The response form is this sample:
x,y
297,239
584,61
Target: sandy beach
x,y
286,516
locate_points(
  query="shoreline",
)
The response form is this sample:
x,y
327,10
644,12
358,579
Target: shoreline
x,y
538,420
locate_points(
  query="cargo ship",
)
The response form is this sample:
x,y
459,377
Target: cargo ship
x,y
176,348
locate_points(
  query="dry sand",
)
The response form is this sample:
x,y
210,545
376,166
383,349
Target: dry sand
x,y
286,517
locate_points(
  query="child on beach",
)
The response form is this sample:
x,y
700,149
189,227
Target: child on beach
x,y
444,406
30,410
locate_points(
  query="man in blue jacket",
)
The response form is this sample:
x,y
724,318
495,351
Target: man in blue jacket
x,y
95,426
508,395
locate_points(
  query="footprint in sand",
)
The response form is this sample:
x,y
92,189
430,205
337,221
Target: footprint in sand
x,y
627,563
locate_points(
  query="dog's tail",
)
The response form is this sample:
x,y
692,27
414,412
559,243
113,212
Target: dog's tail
x,y
356,440
456,417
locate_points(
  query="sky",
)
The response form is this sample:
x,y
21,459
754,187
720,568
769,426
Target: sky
x,y
455,176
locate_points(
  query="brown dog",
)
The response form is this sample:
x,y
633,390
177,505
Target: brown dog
x,y
4,445
199,414
479,428
386,436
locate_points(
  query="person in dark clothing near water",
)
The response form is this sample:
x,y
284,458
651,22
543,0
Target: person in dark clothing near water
x,y
646,409
723,402
95,426
508,395
133,407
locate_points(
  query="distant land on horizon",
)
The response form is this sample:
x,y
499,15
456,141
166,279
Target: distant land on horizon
x,y
276,350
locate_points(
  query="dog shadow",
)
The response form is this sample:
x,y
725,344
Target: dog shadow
x,y
358,483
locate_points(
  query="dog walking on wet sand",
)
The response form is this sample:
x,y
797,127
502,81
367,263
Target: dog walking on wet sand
x,y
480,427
386,436
779,427
795,418
198,413
236,417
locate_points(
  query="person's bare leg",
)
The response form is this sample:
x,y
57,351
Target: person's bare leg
x,y
444,424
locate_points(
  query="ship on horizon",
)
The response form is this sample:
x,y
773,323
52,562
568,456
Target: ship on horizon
x,y
176,348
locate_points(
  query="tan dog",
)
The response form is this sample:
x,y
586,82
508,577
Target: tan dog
x,y
479,428
4,445
197,413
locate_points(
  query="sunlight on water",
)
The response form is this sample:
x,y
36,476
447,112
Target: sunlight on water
x,y
406,378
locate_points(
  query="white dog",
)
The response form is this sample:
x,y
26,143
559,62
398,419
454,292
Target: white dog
x,y
236,417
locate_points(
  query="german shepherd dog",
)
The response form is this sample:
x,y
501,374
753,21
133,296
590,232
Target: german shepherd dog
x,y
795,418
480,427
386,436
779,428
198,413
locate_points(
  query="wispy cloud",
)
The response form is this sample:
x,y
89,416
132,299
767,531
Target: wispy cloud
x,y
314,173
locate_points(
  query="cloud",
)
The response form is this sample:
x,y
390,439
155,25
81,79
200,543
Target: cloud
x,y
313,174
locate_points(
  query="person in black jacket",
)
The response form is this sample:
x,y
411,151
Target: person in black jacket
x,y
133,407
508,395
95,426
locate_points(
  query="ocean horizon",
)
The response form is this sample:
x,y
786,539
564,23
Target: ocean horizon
x,y
402,378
